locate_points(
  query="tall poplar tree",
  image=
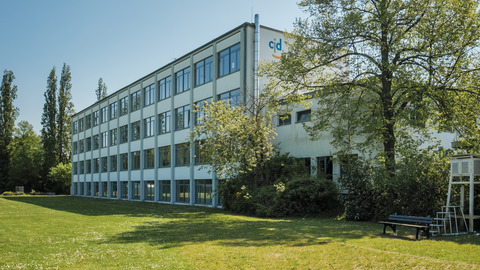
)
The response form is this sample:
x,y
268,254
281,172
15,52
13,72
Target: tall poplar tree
x,y
101,91
49,130
7,122
64,117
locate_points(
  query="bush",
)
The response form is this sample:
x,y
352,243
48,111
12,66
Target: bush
x,y
8,193
283,189
419,187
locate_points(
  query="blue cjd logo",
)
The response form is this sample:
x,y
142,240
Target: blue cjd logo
x,y
276,46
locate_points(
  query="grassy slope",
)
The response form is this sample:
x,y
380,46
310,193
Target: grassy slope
x,y
81,233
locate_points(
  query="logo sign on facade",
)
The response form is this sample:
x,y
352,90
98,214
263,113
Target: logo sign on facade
x,y
276,47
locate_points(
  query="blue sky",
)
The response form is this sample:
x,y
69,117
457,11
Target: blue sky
x,y
118,40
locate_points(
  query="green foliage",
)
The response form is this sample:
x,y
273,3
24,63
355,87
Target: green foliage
x,y
378,68
49,130
419,187
8,112
101,91
64,116
283,189
26,158
234,139
60,178
8,193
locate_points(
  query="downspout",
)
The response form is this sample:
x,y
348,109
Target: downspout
x,y
256,92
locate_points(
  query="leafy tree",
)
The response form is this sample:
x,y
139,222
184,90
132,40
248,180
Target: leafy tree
x,y
235,139
49,130
382,68
64,116
60,178
7,122
101,91
26,157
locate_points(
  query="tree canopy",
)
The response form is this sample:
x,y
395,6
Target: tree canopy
x,y
383,68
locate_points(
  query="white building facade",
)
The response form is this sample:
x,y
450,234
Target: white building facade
x,y
132,145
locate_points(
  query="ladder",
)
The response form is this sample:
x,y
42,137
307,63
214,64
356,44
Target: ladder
x,y
447,222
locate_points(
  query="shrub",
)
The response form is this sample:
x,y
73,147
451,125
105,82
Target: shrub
x,y
283,189
8,193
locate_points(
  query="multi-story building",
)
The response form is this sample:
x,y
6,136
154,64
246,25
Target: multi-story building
x,y
133,144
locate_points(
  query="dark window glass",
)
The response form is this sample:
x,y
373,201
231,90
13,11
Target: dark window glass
x,y
183,191
229,60
136,160
136,101
149,158
123,106
164,154
164,122
182,117
149,94
135,130
303,116
182,154
124,134
284,119
203,191
165,88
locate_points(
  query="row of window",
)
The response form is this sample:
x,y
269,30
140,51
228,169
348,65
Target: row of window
x,y
203,190
123,161
182,121
228,62
302,116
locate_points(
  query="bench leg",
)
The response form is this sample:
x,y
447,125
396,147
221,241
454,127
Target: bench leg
x,y
418,230
394,228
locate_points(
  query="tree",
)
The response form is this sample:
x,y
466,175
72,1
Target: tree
x,y
234,139
383,68
60,178
26,157
7,122
101,91
64,116
49,130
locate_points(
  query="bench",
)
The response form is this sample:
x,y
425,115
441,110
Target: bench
x,y
420,223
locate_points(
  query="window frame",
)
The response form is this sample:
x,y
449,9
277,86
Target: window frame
x,y
149,95
165,88
136,100
136,132
149,127
124,107
227,58
165,127
182,111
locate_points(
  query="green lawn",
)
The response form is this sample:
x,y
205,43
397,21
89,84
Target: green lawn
x,y
80,233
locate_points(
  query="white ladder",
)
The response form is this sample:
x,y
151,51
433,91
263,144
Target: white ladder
x,y
446,222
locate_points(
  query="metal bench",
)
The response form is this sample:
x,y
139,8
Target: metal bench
x,y
420,223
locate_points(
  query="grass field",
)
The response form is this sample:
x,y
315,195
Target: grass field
x,y
62,232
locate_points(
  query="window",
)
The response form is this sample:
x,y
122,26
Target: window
x,y
164,122
199,153
104,139
164,156
75,148
204,71
232,96
113,163
88,166
183,81
165,88
303,116
114,189
88,122
149,190
284,119
203,191
75,127
124,162
95,189
136,101
199,114
136,190
135,130
183,191
229,60
124,134
123,106
325,167
149,158
81,146
182,117
124,189
149,95
96,118
104,189
75,168
113,137
104,164
80,124
96,165
164,190
103,114
82,167
136,160
88,142
149,126
113,110
182,154
96,142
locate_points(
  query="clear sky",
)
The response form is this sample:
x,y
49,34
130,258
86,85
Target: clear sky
x,y
118,40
